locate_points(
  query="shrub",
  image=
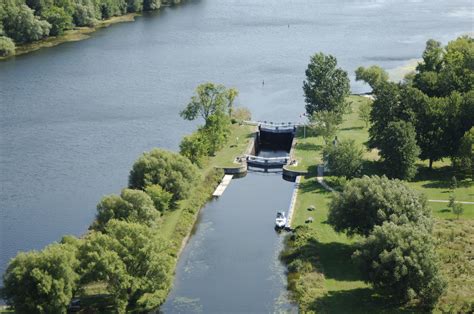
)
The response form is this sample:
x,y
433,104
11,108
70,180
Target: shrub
x,y
344,158
370,201
400,261
7,47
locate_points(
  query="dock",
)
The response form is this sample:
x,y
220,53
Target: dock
x,y
223,185
293,202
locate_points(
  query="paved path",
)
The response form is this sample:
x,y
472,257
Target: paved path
x,y
443,201
293,202
320,179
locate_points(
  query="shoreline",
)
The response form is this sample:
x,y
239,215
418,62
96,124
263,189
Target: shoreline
x,y
76,34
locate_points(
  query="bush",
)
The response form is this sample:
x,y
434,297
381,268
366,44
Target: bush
x,y
400,261
173,172
131,205
241,114
160,197
370,201
195,147
22,25
7,47
344,158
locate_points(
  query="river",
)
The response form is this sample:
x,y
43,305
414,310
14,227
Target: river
x,y
74,118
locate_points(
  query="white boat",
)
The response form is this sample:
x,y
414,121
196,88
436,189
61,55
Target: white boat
x,y
280,220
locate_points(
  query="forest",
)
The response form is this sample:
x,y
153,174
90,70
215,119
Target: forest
x,y
26,21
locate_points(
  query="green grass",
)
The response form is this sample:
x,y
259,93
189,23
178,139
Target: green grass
x,y
342,290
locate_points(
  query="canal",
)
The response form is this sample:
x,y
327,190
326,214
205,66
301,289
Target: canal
x,y
231,262
75,117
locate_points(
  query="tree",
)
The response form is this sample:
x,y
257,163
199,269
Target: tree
x,y
344,159
389,107
370,201
131,205
59,20
22,25
160,197
84,15
325,123
373,75
326,86
399,150
149,5
173,172
463,160
401,262
133,260
7,47
195,147
42,282
364,112
209,100
216,130
241,114
458,209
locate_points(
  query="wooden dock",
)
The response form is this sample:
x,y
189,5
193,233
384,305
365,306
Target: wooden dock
x,y
223,185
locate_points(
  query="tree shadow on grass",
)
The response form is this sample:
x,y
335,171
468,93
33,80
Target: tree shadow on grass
x,y
441,178
312,186
360,300
352,128
372,167
309,146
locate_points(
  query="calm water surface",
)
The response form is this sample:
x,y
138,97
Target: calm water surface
x,y
231,262
74,118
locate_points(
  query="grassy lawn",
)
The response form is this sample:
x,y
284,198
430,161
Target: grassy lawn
x,y
342,289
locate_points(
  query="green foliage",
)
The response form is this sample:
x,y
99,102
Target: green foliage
x,y
150,5
364,112
463,160
326,86
400,261
325,123
458,209
241,114
210,99
216,131
344,158
161,198
173,172
22,25
134,5
131,205
84,14
59,20
195,147
42,282
133,260
399,150
7,47
373,75
370,201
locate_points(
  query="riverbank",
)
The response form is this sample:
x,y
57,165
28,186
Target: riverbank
x,y
323,277
176,226
76,34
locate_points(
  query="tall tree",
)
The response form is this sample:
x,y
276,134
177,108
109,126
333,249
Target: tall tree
x,y
326,86
325,123
209,99
364,112
399,150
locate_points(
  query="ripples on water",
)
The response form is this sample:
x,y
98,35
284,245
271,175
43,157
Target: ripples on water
x,y
74,118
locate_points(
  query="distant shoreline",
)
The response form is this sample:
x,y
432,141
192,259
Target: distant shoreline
x,y
76,34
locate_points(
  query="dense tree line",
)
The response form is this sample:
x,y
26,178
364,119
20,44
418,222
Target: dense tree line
x,y
124,248
430,114
24,21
